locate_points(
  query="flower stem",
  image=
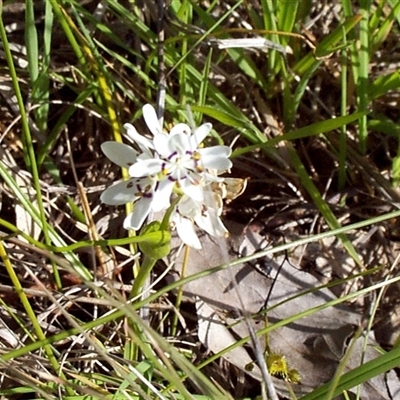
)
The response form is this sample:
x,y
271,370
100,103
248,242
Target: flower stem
x,y
145,270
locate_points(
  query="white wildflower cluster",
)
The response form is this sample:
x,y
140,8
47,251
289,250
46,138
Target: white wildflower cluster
x,y
170,165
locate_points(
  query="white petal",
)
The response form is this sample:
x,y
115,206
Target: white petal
x,y
180,128
211,223
121,193
140,212
144,143
147,167
211,178
119,153
187,233
151,119
221,151
193,191
188,207
161,145
179,143
162,195
200,134
216,157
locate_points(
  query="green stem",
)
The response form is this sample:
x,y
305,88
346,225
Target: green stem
x,y
31,315
151,237
145,270
343,111
29,151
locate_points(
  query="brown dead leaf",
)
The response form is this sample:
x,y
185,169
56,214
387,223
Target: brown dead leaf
x,y
313,345
215,335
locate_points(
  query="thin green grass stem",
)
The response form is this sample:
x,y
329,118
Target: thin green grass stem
x,y
31,314
363,78
360,64
269,20
359,375
29,150
342,365
310,130
39,64
63,19
34,214
31,41
14,315
321,204
343,111
153,238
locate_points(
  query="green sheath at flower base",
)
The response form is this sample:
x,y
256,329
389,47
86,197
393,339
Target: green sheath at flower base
x,y
156,249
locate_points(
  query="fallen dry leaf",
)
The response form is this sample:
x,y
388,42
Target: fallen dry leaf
x,y
313,345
